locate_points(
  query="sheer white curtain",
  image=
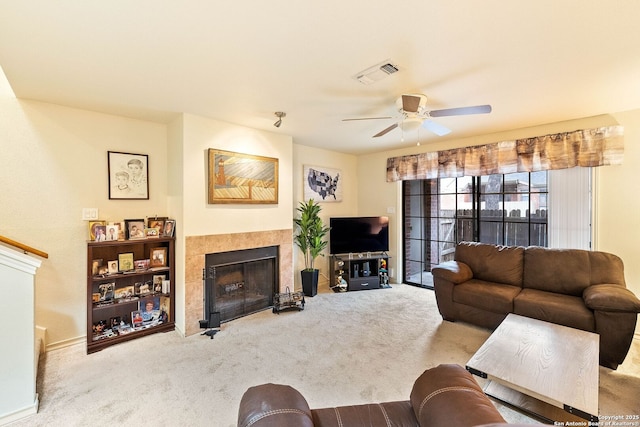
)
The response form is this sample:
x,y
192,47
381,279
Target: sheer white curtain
x,y
570,212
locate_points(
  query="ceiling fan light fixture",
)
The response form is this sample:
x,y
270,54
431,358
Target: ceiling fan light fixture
x,y
279,115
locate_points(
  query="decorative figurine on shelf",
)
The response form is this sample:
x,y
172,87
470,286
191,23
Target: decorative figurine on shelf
x,y
384,276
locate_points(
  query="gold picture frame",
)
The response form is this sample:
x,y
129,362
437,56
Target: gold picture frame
x,y
242,178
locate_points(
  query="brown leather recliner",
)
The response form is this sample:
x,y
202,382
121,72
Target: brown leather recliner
x,y
571,287
446,395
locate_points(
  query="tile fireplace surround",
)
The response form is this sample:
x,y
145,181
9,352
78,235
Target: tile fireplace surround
x,y
197,247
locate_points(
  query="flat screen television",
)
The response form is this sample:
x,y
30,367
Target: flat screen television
x,y
359,234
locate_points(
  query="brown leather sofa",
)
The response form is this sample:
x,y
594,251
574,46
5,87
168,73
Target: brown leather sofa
x,y
577,288
446,395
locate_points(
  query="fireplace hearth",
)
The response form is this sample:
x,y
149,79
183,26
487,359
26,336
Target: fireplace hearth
x,y
238,283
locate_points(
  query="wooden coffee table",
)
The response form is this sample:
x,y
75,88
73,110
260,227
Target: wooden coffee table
x,y
539,367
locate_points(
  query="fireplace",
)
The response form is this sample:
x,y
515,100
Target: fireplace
x,y
240,282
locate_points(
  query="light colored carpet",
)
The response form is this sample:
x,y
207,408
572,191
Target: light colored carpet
x,y
347,348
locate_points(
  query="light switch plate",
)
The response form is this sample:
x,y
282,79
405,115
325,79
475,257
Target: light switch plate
x,y
89,214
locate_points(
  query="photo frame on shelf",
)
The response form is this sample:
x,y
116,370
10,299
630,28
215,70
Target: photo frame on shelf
x,y
134,229
242,178
128,176
156,222
169,228
136,318
113,267
93,225
119,227
157,282
112,232
125,261
158,257
151,233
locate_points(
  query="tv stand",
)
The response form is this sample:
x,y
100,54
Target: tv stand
x,y
357,272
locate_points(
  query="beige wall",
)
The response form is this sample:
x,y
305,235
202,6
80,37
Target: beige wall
x,y
54,163
348,166
617,223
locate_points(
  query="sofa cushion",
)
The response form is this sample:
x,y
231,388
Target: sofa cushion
x,y
449,396
606,268
494,297
500,264
399,414
561,309
564,271
284,407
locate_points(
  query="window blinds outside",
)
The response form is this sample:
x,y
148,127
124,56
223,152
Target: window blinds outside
x,y
570,215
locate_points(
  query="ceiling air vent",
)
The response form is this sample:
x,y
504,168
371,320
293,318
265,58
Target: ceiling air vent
x,y
376,73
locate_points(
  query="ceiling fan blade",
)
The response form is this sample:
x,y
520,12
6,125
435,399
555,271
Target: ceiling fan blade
x,y
410,103
436,128
385,131
365,118
462,111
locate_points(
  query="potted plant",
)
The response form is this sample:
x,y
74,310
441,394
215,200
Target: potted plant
x,y
310,238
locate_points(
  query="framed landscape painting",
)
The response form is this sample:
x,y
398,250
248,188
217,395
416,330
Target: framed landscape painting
x,y
242,178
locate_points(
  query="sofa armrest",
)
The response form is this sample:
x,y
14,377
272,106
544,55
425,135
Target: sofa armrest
x,y
607,297
453,271
274,405
449,396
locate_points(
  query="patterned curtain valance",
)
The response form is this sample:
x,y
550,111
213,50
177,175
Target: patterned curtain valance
x,y
587,148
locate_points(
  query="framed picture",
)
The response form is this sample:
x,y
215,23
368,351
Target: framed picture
x,y
158,257
156,222
169,228
128,176
136,318
113,267
141,264
151,232
112,232
93,228
242,178
135,229
125,261
157,282
322,184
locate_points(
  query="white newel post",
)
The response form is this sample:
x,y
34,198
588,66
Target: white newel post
x,y
18,368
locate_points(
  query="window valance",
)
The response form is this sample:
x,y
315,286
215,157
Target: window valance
x,y
586,148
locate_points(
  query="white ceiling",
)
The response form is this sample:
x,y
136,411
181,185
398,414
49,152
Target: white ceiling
x,y
534,61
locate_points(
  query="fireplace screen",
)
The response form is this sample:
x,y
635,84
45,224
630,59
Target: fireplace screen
x,y
241,282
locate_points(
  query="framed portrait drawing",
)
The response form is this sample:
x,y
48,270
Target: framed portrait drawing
x,y
135,228
242,178
322,184
158,257
128,176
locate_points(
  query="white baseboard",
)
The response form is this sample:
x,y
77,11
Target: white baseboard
x,y
66,343
20,414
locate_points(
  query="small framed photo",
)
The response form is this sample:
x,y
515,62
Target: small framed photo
x,y
156,222
169,228
141,264
128,176
113,267
135,229
93,229
118,228
95,265
125,292
125,261
151,233
136,318
112,232
95,297
106,291
157,282
158,257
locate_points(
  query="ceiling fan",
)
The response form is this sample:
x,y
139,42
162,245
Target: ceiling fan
x,y
413,108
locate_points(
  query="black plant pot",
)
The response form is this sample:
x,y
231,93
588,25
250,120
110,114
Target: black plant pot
x,y
309,282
